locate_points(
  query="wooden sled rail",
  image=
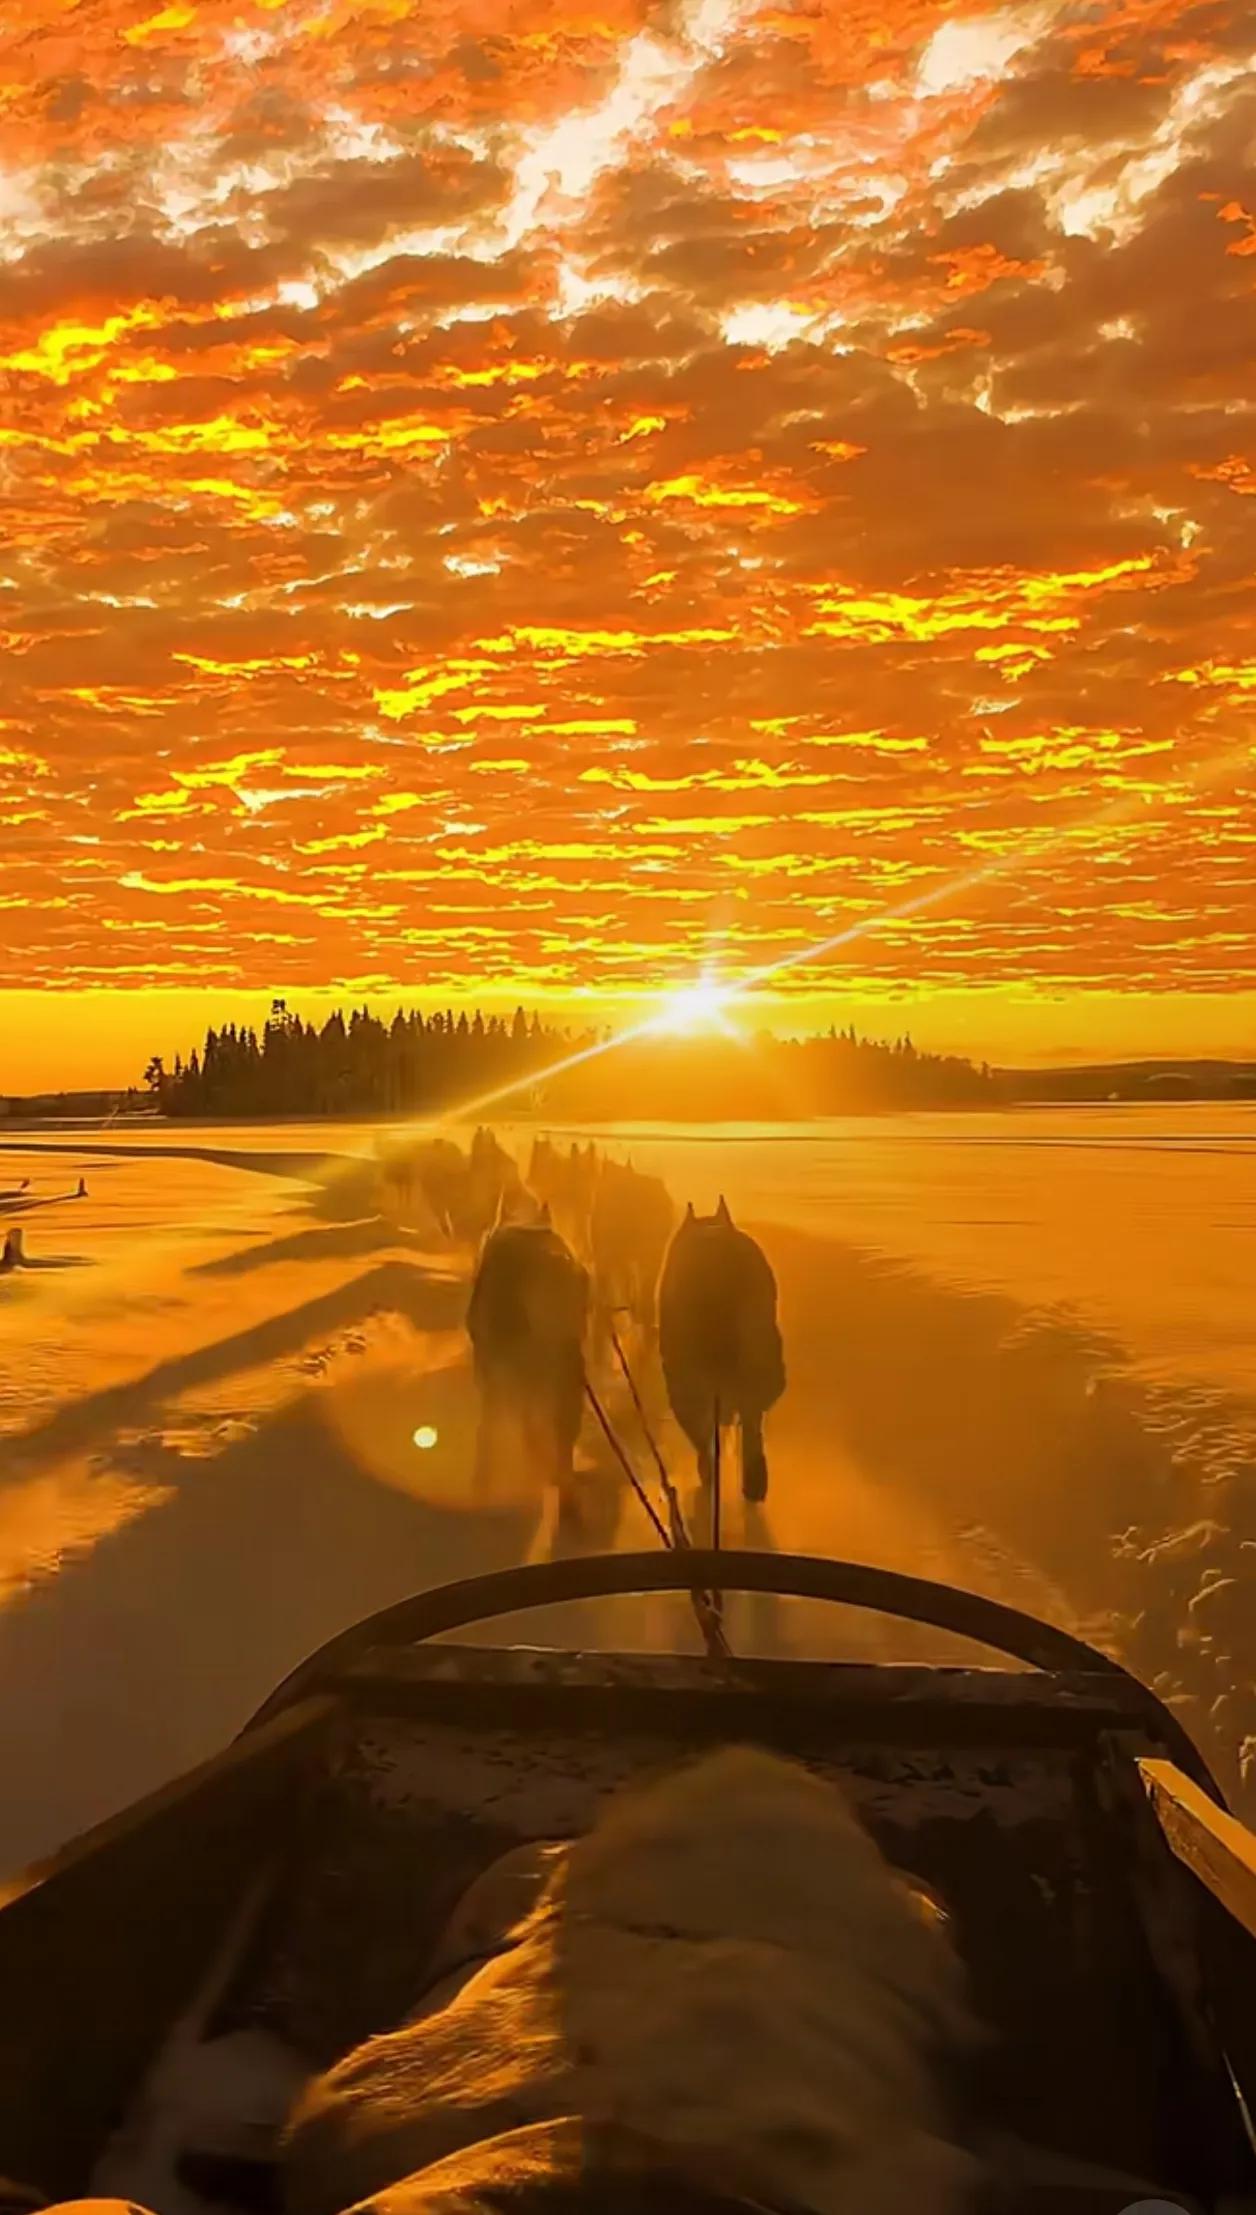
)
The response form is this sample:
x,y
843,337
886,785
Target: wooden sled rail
x,y
1219,1851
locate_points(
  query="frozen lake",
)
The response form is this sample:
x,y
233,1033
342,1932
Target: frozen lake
x,y
1022,1357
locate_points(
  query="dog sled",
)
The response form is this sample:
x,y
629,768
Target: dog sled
x,y
297,1885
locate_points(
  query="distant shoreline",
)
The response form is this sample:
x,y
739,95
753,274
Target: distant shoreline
x,y
410,1074
75,1123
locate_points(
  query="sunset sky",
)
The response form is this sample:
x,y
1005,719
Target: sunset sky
x,y
532,500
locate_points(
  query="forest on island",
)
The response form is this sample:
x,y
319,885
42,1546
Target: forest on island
x,y
440,1063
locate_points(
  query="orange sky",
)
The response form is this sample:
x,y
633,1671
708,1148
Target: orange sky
x,y
527,500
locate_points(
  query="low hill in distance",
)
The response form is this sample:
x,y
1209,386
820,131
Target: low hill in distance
x,y
1131,1080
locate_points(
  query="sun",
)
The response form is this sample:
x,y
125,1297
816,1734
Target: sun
x,y
691,1009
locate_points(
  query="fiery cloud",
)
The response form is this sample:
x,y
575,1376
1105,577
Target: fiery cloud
x,y
546,500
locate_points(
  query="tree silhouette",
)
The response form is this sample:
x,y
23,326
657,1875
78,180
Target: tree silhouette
x,y
434,1065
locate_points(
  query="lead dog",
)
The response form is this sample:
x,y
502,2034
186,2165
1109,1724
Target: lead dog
x,y
719,1341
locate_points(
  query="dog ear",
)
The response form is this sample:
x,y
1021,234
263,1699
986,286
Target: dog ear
x,y
721,1213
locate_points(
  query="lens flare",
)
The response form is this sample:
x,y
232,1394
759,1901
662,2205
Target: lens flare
x,y
1036,847
694,1008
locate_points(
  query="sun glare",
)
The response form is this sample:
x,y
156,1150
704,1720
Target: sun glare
x,y
694,1008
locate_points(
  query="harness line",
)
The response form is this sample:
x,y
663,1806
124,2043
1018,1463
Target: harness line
x,y
675,1514
717,1600
677,1540
612,1439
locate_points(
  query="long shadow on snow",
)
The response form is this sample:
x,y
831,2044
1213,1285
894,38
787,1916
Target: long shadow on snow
x,y
342,1185
430,1302
1029,1424
149,1652
342,1242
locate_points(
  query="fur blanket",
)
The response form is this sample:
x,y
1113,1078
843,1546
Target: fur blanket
x,y
724,1975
